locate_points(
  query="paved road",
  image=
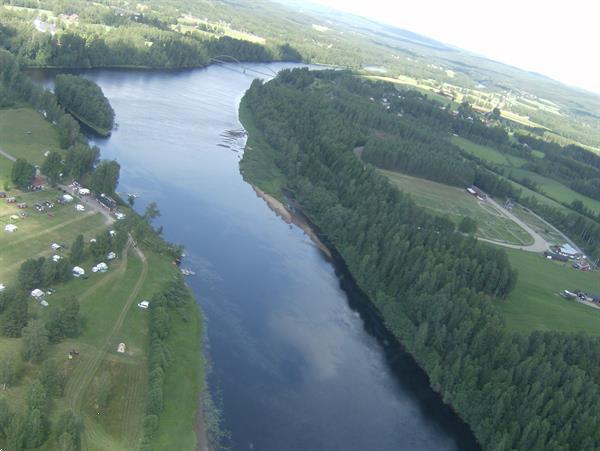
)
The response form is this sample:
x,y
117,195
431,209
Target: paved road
x,y
539,243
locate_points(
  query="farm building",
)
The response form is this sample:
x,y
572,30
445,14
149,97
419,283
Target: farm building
x,y
569,251
554,256
10,228
474,191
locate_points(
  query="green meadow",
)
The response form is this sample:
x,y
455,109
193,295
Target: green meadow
x,y
24,133
535,303
456,203
487,153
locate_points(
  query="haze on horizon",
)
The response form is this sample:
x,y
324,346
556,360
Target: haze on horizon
x,y
554,38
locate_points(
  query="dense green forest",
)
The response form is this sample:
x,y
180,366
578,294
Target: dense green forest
x,y
103,36
434,288
85,99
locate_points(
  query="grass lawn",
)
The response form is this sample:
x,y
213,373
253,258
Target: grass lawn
x,y
38,231
456,203
25,133
535,303
556,190
258,165
487,153
5,172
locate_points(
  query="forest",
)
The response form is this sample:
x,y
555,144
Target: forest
x,y
434,288
85,100
117,37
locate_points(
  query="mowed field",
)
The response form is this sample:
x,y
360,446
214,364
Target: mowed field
x,y
535,303
24,133
556,190
487,153
456,203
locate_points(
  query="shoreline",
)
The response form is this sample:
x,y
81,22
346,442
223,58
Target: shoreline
x,y
281,210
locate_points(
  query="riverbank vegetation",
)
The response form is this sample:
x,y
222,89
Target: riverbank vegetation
x,y
63,382
443,307
85,100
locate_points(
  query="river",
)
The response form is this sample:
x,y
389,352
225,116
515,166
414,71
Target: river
x,y
298,361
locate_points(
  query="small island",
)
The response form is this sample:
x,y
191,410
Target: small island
x,y
85,100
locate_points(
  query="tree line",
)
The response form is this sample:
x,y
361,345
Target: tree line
x,y
434,288
85,99
133,40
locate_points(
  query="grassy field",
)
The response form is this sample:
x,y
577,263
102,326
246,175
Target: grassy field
x,y
456,203
535,303
556,190
549,233
109,315
487,153
26,134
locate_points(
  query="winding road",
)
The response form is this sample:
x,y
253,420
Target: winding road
x,y
539,244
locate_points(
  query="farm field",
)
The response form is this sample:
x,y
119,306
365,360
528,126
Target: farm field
x,y
456,203
556,190
535,303
487,153
24,133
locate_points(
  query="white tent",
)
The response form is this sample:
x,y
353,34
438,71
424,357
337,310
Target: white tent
x,y
10,228
119,215
56,258
67,198
78,271
144,304
111,256
2,287
112,232
79,207
44,303
121,348
84,191
100,267
55,246
13,217
37,293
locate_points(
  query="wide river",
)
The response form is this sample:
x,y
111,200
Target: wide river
x,y
297,362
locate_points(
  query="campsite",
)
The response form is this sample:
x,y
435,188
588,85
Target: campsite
x,y
45,223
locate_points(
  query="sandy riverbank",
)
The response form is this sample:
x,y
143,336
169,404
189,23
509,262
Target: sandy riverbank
x,y
284,213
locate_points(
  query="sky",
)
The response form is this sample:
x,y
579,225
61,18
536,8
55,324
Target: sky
x,y
557,38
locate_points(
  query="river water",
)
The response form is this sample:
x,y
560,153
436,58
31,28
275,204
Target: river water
x,y
298,362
